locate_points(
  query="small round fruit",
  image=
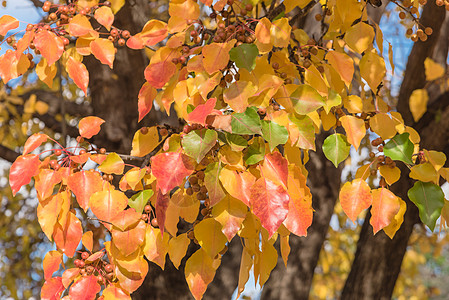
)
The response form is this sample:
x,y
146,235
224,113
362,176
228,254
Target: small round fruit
x,y
163,131
428,30
148,209
85,255
109,268
144,130
102,150
81,264
125,34
90,269
121,42
58,152
114,32
154,223
189,191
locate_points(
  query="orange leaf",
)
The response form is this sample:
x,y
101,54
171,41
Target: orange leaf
x,y
161,209
80,25
343,64
85,289
12,67
126,219
51,263
237,95
177,248
45,182
275,168
200,113
90,126
130,240
385,206
88,240
67,237
107,204
200,271
52,289
83,184
50,45
237,184
24,42
22,170
146,96
33,142
354,197
158,74
269,202
78,72
153,32
104,51
7,23
300,211
355,129
105,16
216,56
45,72
170,169
47,214
69,275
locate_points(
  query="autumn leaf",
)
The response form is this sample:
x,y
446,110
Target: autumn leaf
x,y
210,237
88,240
216,56
107,204
129,240
104,16
211,181
146,96
156,246
343,64
83,184
385,206
51,263
230,213
34,141
68,235
158,74
113,164
104,51
80,25
22,170
7,23
50,45
85,289
336,148
171,169
372,69
354,197
45,72
78,72
359,37
52,289
306,99
200,113
145,141
199,271
177,248
355,130
45,181
237,95
90,126
198,143
114,292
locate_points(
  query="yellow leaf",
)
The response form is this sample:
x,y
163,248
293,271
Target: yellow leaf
x,y
267,261
372,69
145,143
355,129
45,72
199,271
314,78
363,172
230,213
418,103
113,164
134,176
396,223
280,33
343,64
353,104
216,56
246,263
391,175
390,57
383,125
87,240
263,36
285,248
424,172
436,158
177,248
433,69
156,246
210,237
360,37
116,5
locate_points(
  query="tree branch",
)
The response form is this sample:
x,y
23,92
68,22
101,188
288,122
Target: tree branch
x,y
8,154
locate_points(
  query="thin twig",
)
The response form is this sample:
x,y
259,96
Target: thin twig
x,y
62,107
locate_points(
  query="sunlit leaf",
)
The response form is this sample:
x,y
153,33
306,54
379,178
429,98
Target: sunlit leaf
x,y
372,69
22,170
171,169
85,289
400,148
306,99
113,164
7,23
200,113
143,144
68,236
210,237
355,129
418,103
359,37
33,142
107,204
90,126
385,206
216,56
274,134
104,51
104,16
354,197
52,289
51,263
244,56
336,148
78,72
50,45
199,271
198,143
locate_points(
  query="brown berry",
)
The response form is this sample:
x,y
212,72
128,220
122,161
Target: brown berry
x,y
114,32
85,255
90,269
318,17
163,131
102,150
144,130
196,188
402,15
125,34
249,7
275,65
154,223
200,175
121,42
193,180
428,30
109,268
189,191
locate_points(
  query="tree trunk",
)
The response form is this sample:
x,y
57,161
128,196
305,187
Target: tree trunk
x,y
324,183
378,259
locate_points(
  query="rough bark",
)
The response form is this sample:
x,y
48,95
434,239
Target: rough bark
x,y
378,259
324,183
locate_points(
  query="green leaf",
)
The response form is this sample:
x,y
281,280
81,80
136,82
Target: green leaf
x,y
212,182
274,134
197,143
429,198
247,122
255,152
306,99
244,56
336,148
334,99
400,148
237,142
139,200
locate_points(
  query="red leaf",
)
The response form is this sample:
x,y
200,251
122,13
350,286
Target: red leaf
x,y
52,289
68,237
85,289
51,263
83,184
12,67
69,275
46,181
161,208
275,168
7,23
146,96
354,197
104,51
269,202
50,46
170,169
33,142
78,72
22,170
158,74
199,114
90,126
80,159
